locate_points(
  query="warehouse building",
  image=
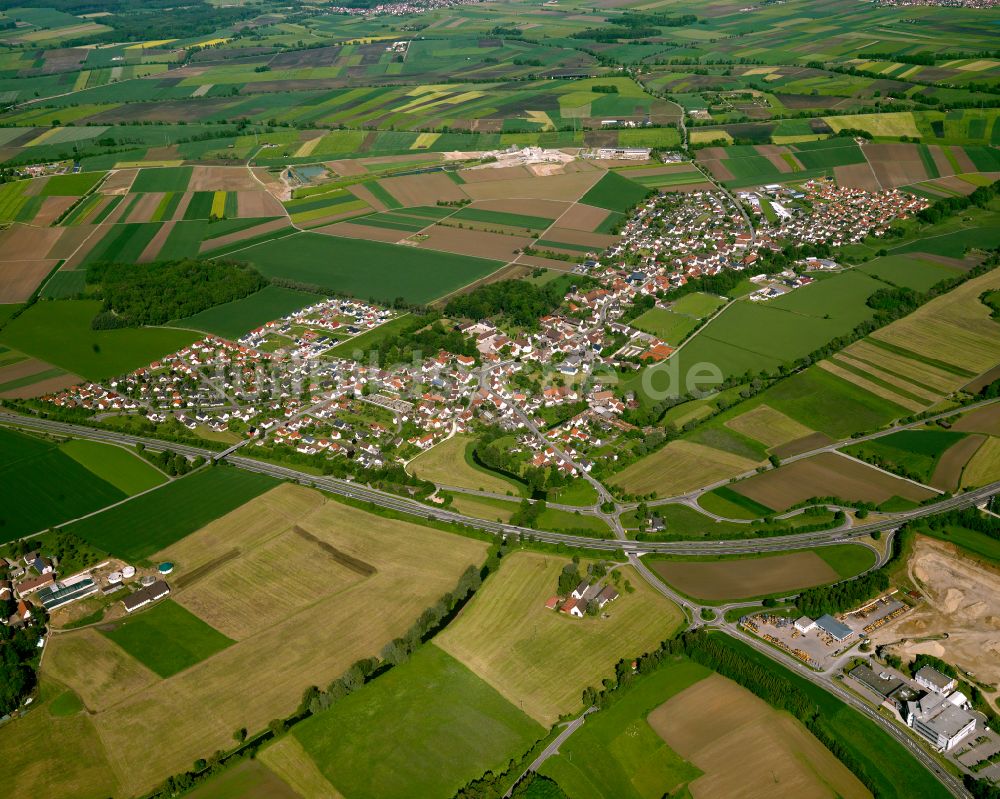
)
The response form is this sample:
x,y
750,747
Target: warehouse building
x,y
941,720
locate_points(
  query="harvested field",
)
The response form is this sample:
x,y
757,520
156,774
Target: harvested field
x,y
583,217
243,235
426,189
981,420
747,748
541,660
678,467
955,328
895,164
948,472
984,468
119,181
254,204
222,178
913,370
858,176
963,602
768,426
23,243
289,761
101,675
490,174
744,578
19,279
555,187
896,384
415,564
477,243
827,474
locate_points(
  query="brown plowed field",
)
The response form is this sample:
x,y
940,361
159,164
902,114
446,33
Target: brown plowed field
x,y
348,167
358,231
556,187
22,243
16,371
981,420
156,243
746,748
895,164
19,279
569,236
490,174
955,184
144,209
948,471
182,206
253,204
546,263
746,577
719,170
52,208
804,444
826,475
856,176
550,209
222,178
964,162
413,190
363,193
941,161
977,385
477,243
243,235
583,217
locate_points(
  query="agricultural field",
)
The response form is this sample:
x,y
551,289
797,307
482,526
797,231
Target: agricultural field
x,y
136,529
546,672
368,743
313,641
45,485
125,470
931,456
449,463
748,577
678,467
233,319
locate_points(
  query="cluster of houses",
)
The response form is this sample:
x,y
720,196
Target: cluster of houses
x,y
400,9
32,581
586,595
822,211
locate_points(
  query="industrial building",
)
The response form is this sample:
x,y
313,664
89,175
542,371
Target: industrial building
x,y
940,719
59,594
933,680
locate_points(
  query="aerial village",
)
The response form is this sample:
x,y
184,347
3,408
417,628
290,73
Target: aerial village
x,y
297,384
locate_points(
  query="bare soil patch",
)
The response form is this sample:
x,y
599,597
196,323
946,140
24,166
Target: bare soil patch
x,y
546,263
19,279
16,371
156,243
253,204
964,162
428,189
23,243
347,167
719,170
981,420
804,444
746,577
955,184
747,748
360,231
364,193
222,178
826,475
856,176
145,207
490,174
43,387
963,601
941,161
52,208
477,243
895,164
949,467
550,209
583,217
243,235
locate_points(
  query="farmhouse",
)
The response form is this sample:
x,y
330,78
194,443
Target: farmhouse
x,y
32,584
144,596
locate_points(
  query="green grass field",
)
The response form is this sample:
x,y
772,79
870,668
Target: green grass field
x,y
233,319
615,193
147,524
125,470
167,638
846,560
367,269
423,729
59,332
162,179
617,755
908,452
44,486
503,218
909,271
667,325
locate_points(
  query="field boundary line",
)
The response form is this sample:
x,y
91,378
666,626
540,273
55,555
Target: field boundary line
x,y
886,471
